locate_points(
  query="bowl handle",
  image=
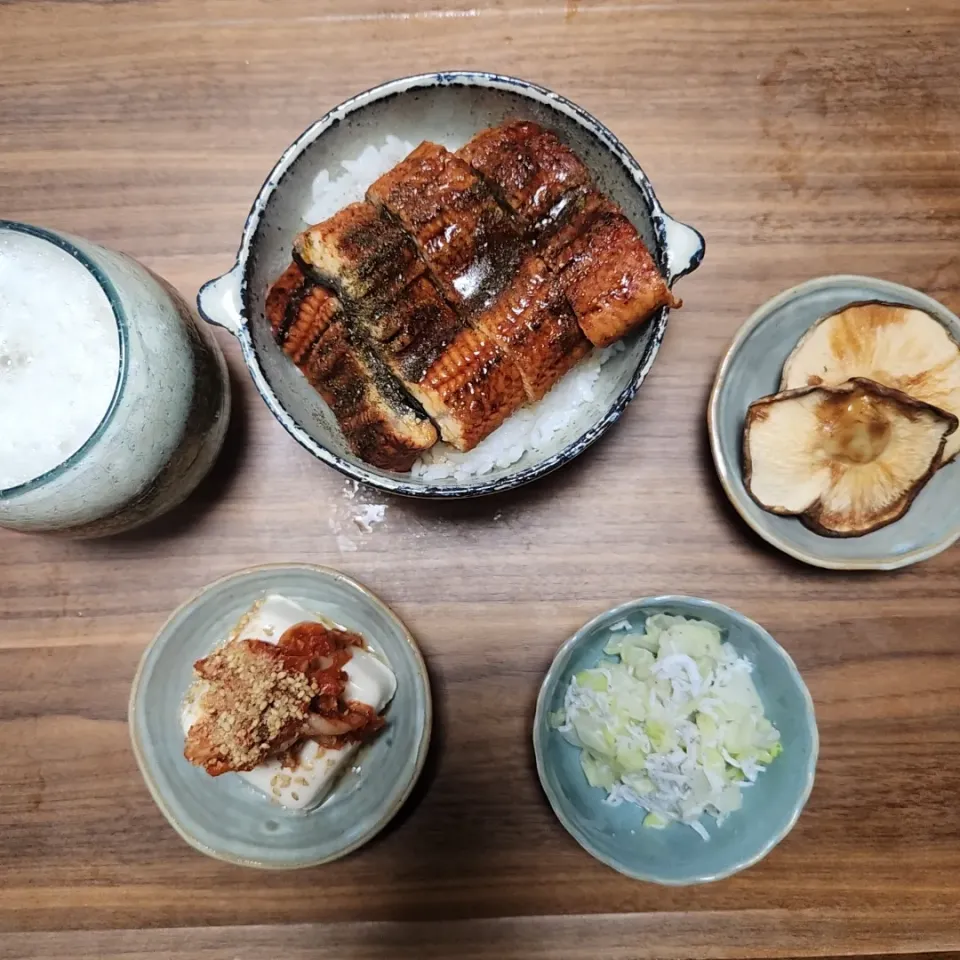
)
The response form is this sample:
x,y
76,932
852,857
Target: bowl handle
x,y
219,301
684,247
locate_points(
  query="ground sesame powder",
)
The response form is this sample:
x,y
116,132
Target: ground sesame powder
x,y
253,705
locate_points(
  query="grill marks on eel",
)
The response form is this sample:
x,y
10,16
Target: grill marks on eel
x,y
471,278
530,170
482,263
533,323
379,424
606,270
469,242
463,379
600,261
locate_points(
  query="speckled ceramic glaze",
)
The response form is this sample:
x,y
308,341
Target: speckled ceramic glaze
x,y
165,423
449,108
225,817
752,368
677,855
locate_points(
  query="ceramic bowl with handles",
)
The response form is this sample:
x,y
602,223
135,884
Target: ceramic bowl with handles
x,y
449,108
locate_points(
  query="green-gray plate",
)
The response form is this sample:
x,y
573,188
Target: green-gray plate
x,y
751,369
223,816
677,855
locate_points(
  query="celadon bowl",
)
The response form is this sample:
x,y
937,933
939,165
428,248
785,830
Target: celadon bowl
x,y
677,855
751,369
224,817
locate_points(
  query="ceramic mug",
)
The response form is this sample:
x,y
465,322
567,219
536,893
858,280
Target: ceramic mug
x,y
165,423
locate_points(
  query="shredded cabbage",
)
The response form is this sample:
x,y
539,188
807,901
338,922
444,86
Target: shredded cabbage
x,y
674,724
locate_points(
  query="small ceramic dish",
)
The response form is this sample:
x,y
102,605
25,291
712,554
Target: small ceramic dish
x,y
676,855
751,369
224,817
448,108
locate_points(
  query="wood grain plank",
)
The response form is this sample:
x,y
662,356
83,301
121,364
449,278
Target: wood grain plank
x,y
614,937
802,138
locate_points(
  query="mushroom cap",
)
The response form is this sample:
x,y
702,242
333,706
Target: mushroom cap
x,y
846,459
893,344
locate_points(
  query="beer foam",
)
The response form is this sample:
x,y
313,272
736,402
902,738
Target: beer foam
x,y
59,356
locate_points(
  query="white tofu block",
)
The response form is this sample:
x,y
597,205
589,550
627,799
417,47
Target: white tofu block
x,y
370,681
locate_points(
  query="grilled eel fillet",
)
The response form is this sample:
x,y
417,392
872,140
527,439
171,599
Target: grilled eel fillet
x,y
533,323
530,170
464,380
469,242
482,263
604,267
379,424
529,319
355,253
606,270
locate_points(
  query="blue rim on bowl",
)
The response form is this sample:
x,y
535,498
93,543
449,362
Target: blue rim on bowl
x,y
226,300
276,839
932,523
587,643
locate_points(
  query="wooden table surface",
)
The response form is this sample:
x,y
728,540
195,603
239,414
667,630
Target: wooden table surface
x,y
802,138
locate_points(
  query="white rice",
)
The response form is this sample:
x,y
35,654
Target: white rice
x,y
331,195
535,428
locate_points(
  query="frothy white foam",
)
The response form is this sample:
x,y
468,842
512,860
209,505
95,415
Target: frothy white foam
x,y
59,356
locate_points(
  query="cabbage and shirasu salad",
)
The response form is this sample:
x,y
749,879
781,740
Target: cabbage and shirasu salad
x,y
675,725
